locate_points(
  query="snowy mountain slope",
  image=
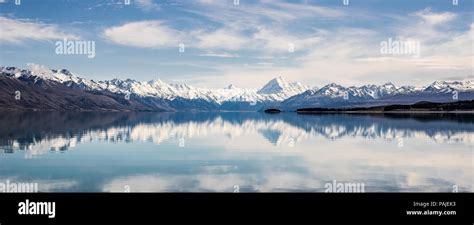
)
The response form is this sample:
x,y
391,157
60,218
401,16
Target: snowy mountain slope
x,y
280,86
160,89
334,95
276,90
276,93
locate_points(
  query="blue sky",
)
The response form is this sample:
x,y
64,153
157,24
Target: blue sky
x,y
245,44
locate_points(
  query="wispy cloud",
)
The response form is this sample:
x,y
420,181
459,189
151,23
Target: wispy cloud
x,y
219,39
275,10
332,43
219,55
17,31
143,34
431,19
148,5
154,34
244,27
351,56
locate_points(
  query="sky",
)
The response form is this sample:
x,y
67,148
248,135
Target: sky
x,y
315,42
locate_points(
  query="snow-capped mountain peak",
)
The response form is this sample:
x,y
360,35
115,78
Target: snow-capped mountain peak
x,y
276,91
230,86
438,85
274,86
157,83
332,89
43,72
389,86
448,86
280,86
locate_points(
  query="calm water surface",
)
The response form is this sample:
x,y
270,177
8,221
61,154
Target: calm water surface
x,y
201,152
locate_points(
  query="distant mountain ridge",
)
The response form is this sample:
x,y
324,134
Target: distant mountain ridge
x,y
57,90
337,96
459,106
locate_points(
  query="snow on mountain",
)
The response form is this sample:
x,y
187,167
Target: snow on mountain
x,y
280,86
376,92
38,72
334,95
333,90
280,131
275,91
449,86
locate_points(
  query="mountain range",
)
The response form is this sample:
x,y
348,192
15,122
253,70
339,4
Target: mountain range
x,y
45,89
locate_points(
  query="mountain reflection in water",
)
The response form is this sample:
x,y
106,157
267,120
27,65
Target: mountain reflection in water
x,y
257,151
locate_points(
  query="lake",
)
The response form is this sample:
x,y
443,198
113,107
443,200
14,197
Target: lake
x,y
236,151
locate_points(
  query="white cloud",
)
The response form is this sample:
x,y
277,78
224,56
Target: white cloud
x,y
351,56
347,55
426,26
219,55
154,34
17,31
144,34
455,53
274,10
39,69
213,182
305,10
273,40
430,18
220,39
147,5
254,27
